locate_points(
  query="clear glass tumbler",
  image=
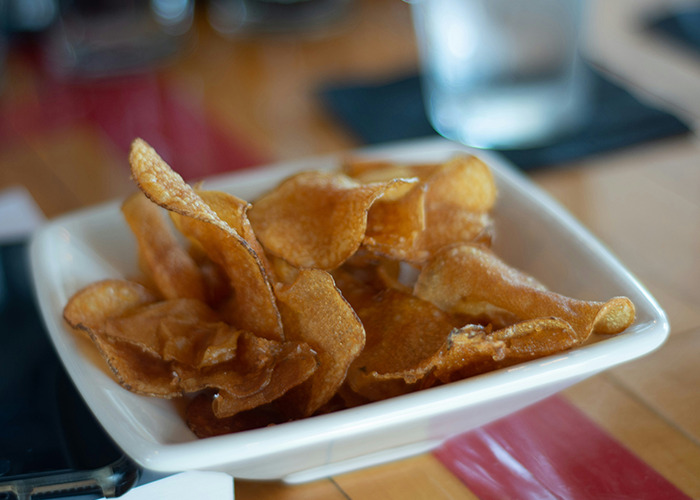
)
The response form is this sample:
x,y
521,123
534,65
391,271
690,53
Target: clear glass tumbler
x,y
502,74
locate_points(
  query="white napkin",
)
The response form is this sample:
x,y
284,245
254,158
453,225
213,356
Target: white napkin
x,y
185,485
19,214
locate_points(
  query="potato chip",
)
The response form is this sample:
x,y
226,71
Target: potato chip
x,y
136,369
315,219
394,225
314,312
463,181
447,225
241,386
91,306
459,195
450,204
403,333
167,188
201,419
151,326
170,347
234,212
254,308
373,170
467,279
163,258
473,349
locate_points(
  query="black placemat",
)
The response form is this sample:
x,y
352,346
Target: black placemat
x,y
681,26
46,429
377,112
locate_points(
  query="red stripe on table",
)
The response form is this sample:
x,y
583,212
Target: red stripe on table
x,y
550,450
173,121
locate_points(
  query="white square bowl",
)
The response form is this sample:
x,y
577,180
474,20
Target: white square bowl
x,y
532,232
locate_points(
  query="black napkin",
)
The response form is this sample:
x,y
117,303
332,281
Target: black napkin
x,y
390,111
680,26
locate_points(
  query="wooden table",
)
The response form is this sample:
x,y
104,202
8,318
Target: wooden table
x,y
643,202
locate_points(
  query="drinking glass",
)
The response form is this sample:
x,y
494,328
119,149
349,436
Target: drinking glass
x,y
502,74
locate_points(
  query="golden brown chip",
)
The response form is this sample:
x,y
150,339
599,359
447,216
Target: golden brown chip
x,y
163,258
464,181
234,212
151,326
450,204
314,312
240,388
447,225
168,348
403,334
373,170
91,306
134,368
459,196
315,219
394,225
472,349
166,187
468,279
137,370
202,421
254,308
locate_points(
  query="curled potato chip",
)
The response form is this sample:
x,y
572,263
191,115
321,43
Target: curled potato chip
x,y
467,279
170,347
450,204
137,370
203,423
279,367
163,258
254,308
315,219
463,181
166,187
454,354
373,170
447,225
459,195
472,349
403,333
91,306
394,225
151,326
314,312
234,212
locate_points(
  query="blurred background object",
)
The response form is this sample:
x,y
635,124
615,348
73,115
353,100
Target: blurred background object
x,y
23,16
27,15
630,41
231,17
108,37
502,74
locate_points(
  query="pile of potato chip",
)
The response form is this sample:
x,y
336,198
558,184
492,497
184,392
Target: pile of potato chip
x,y
332,290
